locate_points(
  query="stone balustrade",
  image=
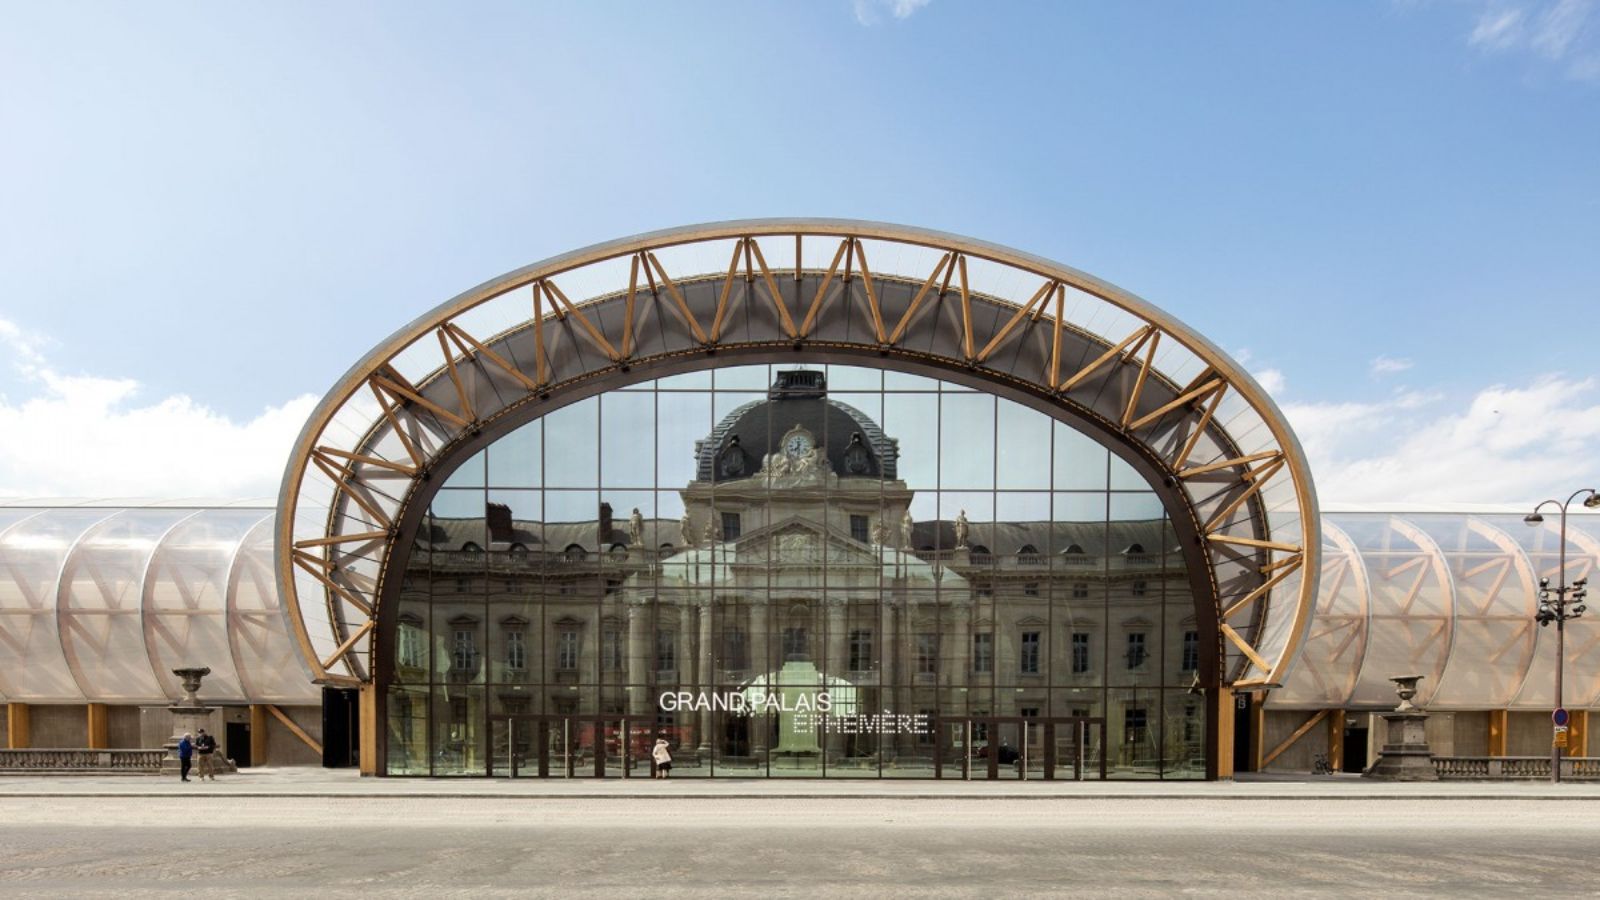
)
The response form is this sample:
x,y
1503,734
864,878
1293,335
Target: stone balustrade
x,y
43,761
1514,768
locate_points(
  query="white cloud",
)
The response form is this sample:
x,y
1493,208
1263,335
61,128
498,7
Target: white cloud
x,y
1565,33
871,12
1271,381
91,436
1508,445
1388,365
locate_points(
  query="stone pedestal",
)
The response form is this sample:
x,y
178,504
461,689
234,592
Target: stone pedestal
x,y
1405,755
189,715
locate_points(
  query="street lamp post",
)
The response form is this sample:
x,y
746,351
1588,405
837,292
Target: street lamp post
x,y
1560,608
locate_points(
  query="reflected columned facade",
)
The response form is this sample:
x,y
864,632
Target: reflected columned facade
x,y
839,571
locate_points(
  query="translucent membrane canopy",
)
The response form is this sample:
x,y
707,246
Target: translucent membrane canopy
x,y
806,291
1450,597
100,604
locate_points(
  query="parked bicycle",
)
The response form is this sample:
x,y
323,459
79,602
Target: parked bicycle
x,y
1320,765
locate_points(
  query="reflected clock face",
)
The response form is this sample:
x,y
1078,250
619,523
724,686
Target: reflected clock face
x,y
797,445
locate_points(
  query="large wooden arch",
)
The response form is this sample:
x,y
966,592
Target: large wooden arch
x,y
804,290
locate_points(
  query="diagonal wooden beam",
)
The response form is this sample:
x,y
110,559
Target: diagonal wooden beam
x,y
412,451
1131,343
677,298
1199,428
1016,317
541,366
627,313
335,453
1055,335
1253,542
342,478
1176,402
772,288
1406,566
318,568
727,291
455,374
554,292
966,309
872,295
822,289
1261,589
905,318
1294,737
1258,482
459,335
1144,373
1230,463
405,392
1249,651
294,729
360,537
349,643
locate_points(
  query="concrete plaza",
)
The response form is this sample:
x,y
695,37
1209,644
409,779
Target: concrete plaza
x,y
295,832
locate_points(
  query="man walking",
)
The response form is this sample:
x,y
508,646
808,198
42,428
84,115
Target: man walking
x,y
185,755
207,745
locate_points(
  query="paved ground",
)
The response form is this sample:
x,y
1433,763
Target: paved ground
x,y
271,835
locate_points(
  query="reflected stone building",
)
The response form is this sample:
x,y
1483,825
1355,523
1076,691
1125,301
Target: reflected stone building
x,y
804,557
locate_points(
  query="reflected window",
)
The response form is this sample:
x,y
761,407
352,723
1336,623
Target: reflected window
x,y
567,650
1080,653
730,526
983,653
464,648
666,650
735,649
1028,653
1136,650
611,650
1031,589
410,649
927,654
1080,591
860,650
860,529
1191,651
1139,588
516,650
1134,724
1028,555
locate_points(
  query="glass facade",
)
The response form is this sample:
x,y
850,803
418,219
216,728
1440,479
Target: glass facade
x,y
839,572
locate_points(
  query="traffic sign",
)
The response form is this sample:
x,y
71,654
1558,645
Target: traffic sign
x,y
1560,716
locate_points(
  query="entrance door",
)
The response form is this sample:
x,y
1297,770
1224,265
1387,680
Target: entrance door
x,y
238,744
1021,748
566,746
1355,747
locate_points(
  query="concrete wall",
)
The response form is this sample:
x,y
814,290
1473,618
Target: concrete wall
x,y
1298,758
122,729
1472,733
5,726
59,726
1528,734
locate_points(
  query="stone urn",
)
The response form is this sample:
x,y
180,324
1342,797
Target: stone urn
x,y
1405,755
1406,687
189,715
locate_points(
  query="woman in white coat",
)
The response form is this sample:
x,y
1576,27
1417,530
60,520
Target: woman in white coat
x,y
663,758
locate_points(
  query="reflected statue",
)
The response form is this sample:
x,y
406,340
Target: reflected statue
x,y
962,530
636,529
686,527
712,534
905,530
880,533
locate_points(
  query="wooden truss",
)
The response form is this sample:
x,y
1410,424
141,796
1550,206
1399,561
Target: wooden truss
x,y
412,426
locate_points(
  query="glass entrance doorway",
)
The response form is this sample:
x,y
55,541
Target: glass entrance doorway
x,y
1017,748
569,747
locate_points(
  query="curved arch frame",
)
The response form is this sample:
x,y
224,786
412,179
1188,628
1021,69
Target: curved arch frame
x,y
1133,374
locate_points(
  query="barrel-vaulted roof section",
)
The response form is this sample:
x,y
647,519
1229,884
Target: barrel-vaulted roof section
x,y
1451,597
101,604
802,291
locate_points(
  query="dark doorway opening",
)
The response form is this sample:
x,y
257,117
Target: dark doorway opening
x,y
1355,748
238,744
341,728
1243,759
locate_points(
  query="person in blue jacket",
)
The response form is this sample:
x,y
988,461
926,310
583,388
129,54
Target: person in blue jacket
x,y
185,755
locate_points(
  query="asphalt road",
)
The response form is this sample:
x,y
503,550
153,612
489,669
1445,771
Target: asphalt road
x,y
661,847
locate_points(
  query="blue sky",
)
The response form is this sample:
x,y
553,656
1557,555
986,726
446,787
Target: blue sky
x,y
1390,210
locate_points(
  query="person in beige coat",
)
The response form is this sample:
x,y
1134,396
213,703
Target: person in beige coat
x,y
662,757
